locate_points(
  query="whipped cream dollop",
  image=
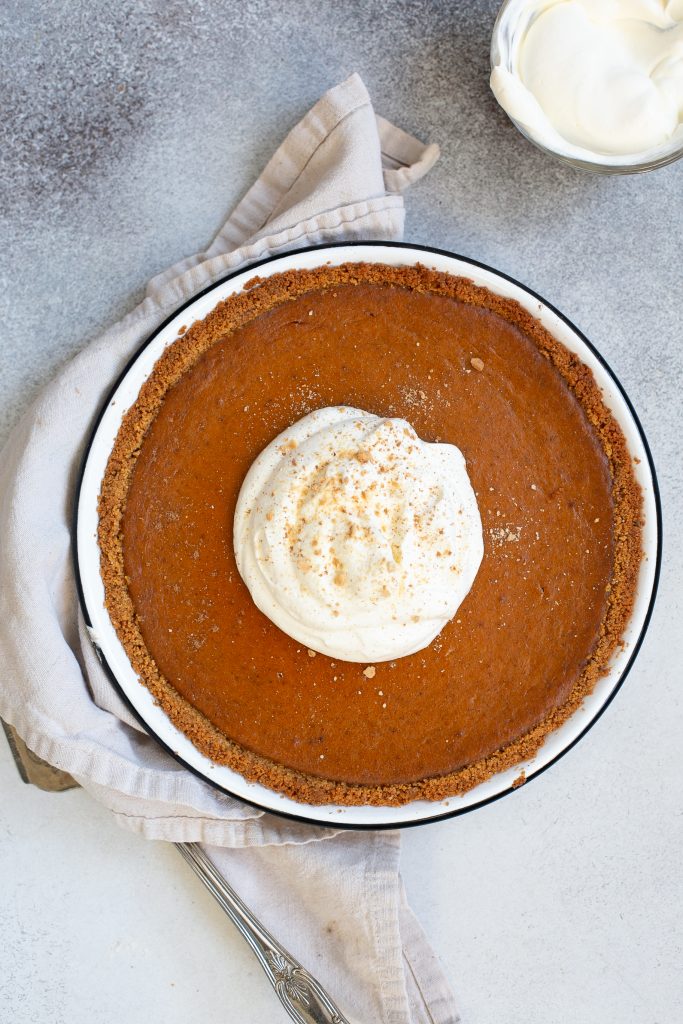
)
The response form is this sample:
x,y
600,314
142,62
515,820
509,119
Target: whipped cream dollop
x,y
588,77
357,538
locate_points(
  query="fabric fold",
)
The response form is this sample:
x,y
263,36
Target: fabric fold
x,y
334,898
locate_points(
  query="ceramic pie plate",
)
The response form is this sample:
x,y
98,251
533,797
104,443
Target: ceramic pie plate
x,y
87,554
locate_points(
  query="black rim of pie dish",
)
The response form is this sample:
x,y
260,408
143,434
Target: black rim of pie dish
x,y
451,812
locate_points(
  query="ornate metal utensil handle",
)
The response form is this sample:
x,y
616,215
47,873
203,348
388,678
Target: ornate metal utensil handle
x,y
302,996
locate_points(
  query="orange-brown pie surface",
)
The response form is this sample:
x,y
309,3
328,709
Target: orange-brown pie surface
x,y
559,505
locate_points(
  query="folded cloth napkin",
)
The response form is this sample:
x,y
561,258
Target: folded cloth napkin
x,y
335,899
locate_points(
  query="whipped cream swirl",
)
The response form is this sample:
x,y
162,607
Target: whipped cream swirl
x,y
355,537
593,77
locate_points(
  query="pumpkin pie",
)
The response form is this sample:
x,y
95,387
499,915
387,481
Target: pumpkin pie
x,y
560,512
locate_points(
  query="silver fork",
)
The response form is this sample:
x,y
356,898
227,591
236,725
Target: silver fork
x,y
302,995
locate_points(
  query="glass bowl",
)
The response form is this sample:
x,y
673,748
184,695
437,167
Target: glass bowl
x,y
512,22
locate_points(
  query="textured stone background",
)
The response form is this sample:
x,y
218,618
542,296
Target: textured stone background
x,y
127,132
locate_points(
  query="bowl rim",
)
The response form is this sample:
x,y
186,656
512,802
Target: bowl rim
x,y
449,811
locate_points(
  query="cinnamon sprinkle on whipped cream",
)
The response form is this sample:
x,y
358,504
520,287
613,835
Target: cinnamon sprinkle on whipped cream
x,y
357,538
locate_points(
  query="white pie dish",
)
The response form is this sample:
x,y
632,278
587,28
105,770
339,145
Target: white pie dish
x,y
88,556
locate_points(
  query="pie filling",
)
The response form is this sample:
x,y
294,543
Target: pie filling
x,y
560,518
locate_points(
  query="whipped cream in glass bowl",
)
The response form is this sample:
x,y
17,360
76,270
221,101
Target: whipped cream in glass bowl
x,y
597,83
357,538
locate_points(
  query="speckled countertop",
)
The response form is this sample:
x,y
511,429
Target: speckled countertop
x,y
124,140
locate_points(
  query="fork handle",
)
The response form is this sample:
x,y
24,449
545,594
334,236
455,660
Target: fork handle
x,y
302,995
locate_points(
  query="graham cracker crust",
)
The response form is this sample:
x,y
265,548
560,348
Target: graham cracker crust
x,y
259,296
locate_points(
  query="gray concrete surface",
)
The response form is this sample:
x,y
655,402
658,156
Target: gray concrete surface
x,y
127,132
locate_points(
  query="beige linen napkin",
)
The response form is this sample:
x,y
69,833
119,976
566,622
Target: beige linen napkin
x,y
334,899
